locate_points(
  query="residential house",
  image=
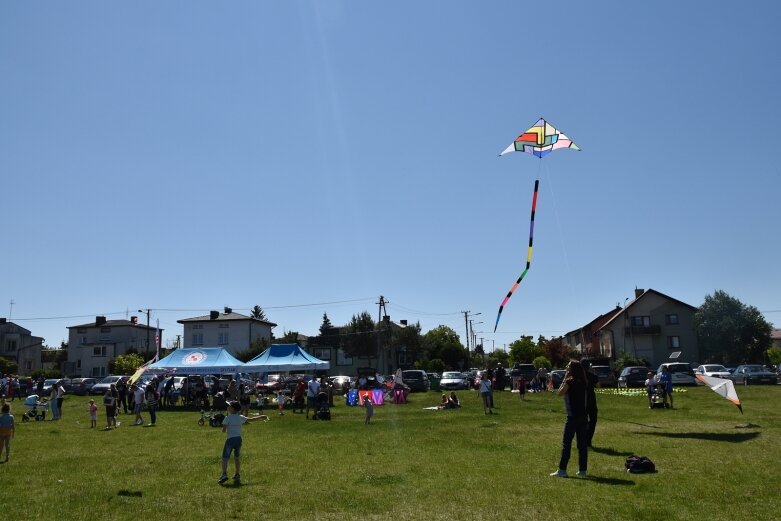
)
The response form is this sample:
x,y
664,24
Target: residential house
x,y
653,326
18,344
232,331
328,346
775,338
92,346
586,339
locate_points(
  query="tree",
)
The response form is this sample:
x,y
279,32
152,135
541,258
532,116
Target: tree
x,y
326,325
729,331
256,347
258,313
524,350
444,343
497,358
126,364
774,355
360,338
8,366
409,340
556,351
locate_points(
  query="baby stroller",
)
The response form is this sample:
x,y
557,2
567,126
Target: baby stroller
x,y
657,397
322,412
34,409
214,419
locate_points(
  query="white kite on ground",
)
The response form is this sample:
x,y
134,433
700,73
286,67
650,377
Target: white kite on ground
x,y
723,387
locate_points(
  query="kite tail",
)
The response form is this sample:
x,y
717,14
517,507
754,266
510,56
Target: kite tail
x,y
528,256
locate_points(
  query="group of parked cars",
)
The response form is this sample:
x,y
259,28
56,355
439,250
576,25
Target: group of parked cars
x,y
683,374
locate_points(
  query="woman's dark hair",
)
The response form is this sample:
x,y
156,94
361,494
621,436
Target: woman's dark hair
x,y
575,372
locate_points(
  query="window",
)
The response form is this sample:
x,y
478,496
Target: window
x,y
222,339
674,342
343,358
323,353
81,330
10,345
78,363
99,351
83,340
671,319
197,326
224,325
641,321
406,358
197,339
105,330
98,372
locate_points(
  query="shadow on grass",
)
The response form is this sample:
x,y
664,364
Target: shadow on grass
x,y
609,481
738,437
130,493
609,451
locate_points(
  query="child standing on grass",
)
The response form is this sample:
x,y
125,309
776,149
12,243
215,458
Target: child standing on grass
x,y
367,403
281,402
232,426
7,430
522,387
93,414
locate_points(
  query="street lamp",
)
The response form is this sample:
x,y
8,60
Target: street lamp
x,y
147,313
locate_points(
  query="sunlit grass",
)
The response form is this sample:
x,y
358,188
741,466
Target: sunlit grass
x,y
410,463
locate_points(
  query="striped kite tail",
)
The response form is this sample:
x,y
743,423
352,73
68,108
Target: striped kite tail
x,y
528,256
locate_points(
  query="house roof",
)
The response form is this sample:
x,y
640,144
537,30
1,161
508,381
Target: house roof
x,y
643,295
598,322
775,334
223,317
114,323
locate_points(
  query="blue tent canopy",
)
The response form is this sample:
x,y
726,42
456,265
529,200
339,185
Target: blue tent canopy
x,y
285,357
199,360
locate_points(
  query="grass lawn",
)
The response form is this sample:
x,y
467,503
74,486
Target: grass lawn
x,y
713,463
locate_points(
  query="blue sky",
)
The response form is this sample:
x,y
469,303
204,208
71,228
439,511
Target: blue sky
x,y
309,157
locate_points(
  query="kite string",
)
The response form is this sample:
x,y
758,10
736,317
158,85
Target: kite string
x,y
561,233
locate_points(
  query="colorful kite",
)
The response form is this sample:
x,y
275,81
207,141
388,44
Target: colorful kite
x,y
723,387
539,140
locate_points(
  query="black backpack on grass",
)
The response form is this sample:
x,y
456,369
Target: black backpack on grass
x,y
639,464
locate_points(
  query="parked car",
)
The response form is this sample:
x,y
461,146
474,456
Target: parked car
x,y
607,378
528,371
416,380
715,370
81,386
103,385
681,372
47,384
754,374
453,381
557,376
341,384
633,376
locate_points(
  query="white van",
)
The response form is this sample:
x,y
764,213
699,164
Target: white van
x,y
681,372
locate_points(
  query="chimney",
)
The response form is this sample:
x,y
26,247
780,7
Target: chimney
x,y
213,315
99,321
134,320
2,320
228,310
403,322
638,292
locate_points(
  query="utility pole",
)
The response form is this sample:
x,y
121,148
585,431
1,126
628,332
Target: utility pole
x,y
381,314
467,327
148,312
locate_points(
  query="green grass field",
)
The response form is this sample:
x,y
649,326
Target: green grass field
x,y
713,463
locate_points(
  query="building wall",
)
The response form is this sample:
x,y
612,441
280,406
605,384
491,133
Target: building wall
x,y
233,335
655,342
17,343
90,348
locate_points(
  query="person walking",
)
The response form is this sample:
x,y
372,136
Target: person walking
x,y
312,390
110,402
7,430
573,390
152,398
60,398
485,393
138,402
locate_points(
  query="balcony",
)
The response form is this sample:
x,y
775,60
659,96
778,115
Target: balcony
x,y
642,330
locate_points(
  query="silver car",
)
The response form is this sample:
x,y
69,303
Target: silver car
x,y
453,381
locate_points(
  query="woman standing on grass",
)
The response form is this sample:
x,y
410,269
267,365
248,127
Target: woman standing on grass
x,y
573,389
